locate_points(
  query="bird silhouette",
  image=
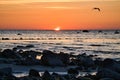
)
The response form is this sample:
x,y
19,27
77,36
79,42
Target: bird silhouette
x,y
96,8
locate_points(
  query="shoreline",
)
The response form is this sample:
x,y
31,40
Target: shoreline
x,y
23,65
40,68
21,71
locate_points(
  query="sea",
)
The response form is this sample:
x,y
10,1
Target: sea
x,y
104,43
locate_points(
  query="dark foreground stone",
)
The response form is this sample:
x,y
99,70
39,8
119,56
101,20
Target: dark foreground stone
x,y
6,74
33,73
107,73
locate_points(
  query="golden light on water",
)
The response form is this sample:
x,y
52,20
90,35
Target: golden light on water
x,y
38,57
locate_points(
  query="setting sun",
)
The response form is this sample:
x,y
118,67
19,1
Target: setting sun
x,y
57,29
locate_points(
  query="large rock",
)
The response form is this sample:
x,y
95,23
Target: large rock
x,y
111,64
73,71
25,47
29,61
47,52
107,73
29,78
106,79
9,78
98,61
6,71
32,54
33,73
85,60
8,53
51,59
29,46
65,58
29,58
84,78
57,77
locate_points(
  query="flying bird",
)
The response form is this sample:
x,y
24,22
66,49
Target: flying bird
x,y
95,8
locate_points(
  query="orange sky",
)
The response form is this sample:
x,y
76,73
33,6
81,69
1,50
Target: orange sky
x,y
67,14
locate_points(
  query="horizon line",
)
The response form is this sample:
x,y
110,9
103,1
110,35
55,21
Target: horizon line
x,y
17,2
54,30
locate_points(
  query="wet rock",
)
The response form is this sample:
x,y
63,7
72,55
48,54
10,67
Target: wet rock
x,y
24,47
31,54
6,74
46,76
30,78
33,73
98,61
111,64
80,68
85,60
108,62
15,49
106,79
62,78
6,71
20,47
65,58
67,77
72,63
73,71
47,52
19,34
96,45
29,61
55,74
85,31
29,46
24,78
99,31
9,78
8,53
84,78
51,59
107,73
57,77
5,39
116,32
29,58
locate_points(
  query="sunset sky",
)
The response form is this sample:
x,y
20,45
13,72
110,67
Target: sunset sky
x,y
66,14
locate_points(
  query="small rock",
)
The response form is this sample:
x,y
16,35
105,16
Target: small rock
x,y
46,76
106,79
104,72
29,46
33,73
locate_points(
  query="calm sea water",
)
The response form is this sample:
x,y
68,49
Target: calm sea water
x,y
103,43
